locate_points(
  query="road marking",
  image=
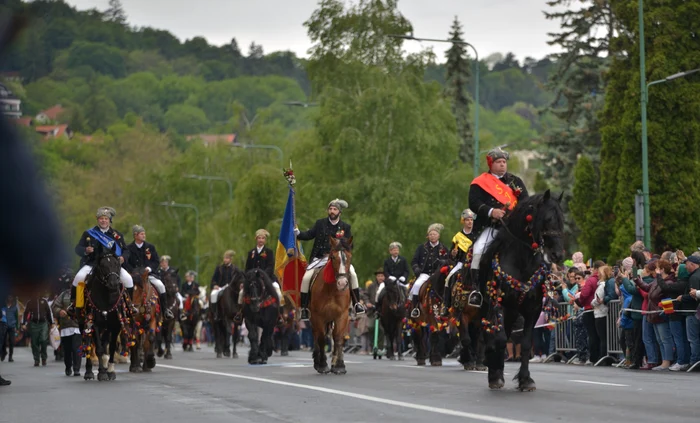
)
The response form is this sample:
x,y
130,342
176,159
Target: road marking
x,y
430,409
598,383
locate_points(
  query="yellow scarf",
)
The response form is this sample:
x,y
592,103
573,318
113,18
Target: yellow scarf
x,y
461,241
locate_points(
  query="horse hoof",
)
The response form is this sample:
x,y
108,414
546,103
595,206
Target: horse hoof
x,y
89,376
338,370
160,353
436,363
400,358
168,356
227,354
391,358
496,385
135,370
481,368
254,361
102,377
146,370
219,355
527,385
235,355
284,354
150,362
112,376
420,362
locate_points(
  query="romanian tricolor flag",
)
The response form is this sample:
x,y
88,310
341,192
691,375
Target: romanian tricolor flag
x,y
290,263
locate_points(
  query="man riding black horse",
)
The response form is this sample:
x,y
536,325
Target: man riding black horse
x,y
491,195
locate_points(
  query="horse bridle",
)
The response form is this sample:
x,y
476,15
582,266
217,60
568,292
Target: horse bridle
x,y
102,278
347,268
539,239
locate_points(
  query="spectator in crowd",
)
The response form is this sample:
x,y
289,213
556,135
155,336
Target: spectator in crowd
x,y
580,334
689,302
70,333
627,286
577,257
584,301
662,270
651,346
600,313
9,326
628,341
673,288
37,315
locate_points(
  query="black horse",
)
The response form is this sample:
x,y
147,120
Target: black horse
x,y
260,310
227,308
188,321
105,305
515,269
173,303
392,313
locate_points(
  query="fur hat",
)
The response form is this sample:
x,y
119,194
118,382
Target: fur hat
x,y
106,211
191,273
165,258
340,204
229,254
495,154
468,214
437,227
262,232
395,244
379,270
137,229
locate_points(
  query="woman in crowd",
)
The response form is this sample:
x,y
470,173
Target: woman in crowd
x,y
674,287
600,312
584,301
662,270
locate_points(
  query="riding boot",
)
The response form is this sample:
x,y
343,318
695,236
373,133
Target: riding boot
x,y
304,306
446,300
475,299
73,295
415,313
167,314
358,306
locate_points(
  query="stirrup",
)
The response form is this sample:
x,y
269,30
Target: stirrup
x,y
305,314
359,309
415,313
445,311
475,299
238,318
168,314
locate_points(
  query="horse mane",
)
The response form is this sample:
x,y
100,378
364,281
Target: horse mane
x,y
254,274
343,244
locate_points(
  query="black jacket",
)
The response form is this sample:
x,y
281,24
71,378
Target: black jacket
x,y
480,202
223,275
265,260
87,241
688,302
322,229
159,273
396,269
190,289
427,258
146,256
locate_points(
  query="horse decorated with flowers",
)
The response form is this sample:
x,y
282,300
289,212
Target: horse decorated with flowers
x,y
427,327
515,280
165,335
464,316
189,319
147,323
260,310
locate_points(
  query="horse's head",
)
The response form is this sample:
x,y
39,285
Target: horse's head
x,y
546,226
170,281
107,272
253,287
341,257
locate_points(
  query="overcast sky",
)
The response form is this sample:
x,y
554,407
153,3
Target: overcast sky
x,y
492,26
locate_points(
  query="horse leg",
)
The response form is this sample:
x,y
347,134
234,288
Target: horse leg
x,y
227,337
102,357
419,346
525,382
254,353
89,375
149,357
338,362
466,358
235,335
135,366
111,374
168,335
218,338
284,340
435,356
159,342
319,354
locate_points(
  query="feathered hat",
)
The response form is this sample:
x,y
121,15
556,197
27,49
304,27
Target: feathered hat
x,y
467,214
137,229
437,227
340,204
495,154
262,232
106,211
229,254
395,244
165,258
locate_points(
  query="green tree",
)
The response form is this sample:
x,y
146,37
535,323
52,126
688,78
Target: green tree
x,y
100,57
115,13
186,119
458,75
100,112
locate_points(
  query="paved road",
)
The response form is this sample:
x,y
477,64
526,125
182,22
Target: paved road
x,y
198,387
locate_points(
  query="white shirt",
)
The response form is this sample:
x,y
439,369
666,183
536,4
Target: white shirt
x,y
139,245
260,249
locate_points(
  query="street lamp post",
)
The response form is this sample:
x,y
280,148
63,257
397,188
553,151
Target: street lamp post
x,y
196,226
476,89
264,146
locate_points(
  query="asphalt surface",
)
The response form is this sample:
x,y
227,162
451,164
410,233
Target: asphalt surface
x,y
195,386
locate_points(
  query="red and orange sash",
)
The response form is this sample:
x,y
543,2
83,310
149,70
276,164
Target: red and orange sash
x,y
497,189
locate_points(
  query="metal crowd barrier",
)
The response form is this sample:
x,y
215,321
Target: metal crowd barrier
x,y
564,339
613,335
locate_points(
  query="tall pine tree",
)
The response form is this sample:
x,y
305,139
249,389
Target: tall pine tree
x,y
457,82
579,89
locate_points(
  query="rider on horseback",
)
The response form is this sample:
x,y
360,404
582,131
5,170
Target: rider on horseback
x,y
460,245
144,255
427,259
395,271
491,195
322,229
262,257
112,241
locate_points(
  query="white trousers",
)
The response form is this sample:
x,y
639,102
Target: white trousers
x,y
422,278
306,280
157,284
454,270
481,244
215,294
84,271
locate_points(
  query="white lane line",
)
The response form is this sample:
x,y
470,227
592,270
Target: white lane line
x,y
590,382
437,410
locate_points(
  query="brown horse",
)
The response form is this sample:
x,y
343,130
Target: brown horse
x,y
287,324
146,323
465,318
330,304
428,325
